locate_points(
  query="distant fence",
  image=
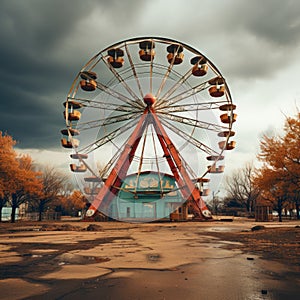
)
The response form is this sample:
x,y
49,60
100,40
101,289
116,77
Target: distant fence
x,y
29,216
46,216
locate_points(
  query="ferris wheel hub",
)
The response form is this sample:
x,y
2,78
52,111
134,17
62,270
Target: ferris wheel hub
x,y
149,99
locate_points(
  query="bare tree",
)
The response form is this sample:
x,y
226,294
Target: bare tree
x,y
215,203
240,187
54,185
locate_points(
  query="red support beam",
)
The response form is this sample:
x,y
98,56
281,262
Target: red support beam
x,y
115,178
189,191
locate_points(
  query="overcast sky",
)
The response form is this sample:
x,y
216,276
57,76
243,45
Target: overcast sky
x,y
255,44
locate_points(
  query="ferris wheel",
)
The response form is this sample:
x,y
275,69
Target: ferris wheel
x,y
148,120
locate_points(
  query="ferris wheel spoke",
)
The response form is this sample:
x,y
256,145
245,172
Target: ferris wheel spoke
x,y
104,172
134,71
184,95
151,72
109,137
141,158
104,105
110,108
164,80
106,121
191,107
187,167
118,95
174,87
190,139
112,161
193,122
157,162
139,102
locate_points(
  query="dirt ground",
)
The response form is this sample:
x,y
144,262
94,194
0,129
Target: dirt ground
x,y
223,260
273,243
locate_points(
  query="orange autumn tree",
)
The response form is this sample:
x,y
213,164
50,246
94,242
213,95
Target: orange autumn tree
x,y
73,203
279,177
27,184
8,167
18,181
273,190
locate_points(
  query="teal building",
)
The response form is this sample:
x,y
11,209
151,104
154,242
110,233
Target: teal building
x,y
145,197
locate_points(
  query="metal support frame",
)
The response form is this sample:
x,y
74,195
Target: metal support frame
x,y
115,179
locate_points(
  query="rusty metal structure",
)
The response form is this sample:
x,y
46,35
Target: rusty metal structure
x,y
148,104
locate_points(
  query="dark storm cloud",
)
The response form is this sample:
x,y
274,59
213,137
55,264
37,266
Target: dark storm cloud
x,y
29,76
31,30
274,21
40,55
245,39
45,43
263,37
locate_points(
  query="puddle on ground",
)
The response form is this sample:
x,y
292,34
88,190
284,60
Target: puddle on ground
x,y
153,257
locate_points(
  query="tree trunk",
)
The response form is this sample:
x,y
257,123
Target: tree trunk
x,y
280,216
280,208
248,206
279,213
297,210
2,204
14,207
13,214
41,210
